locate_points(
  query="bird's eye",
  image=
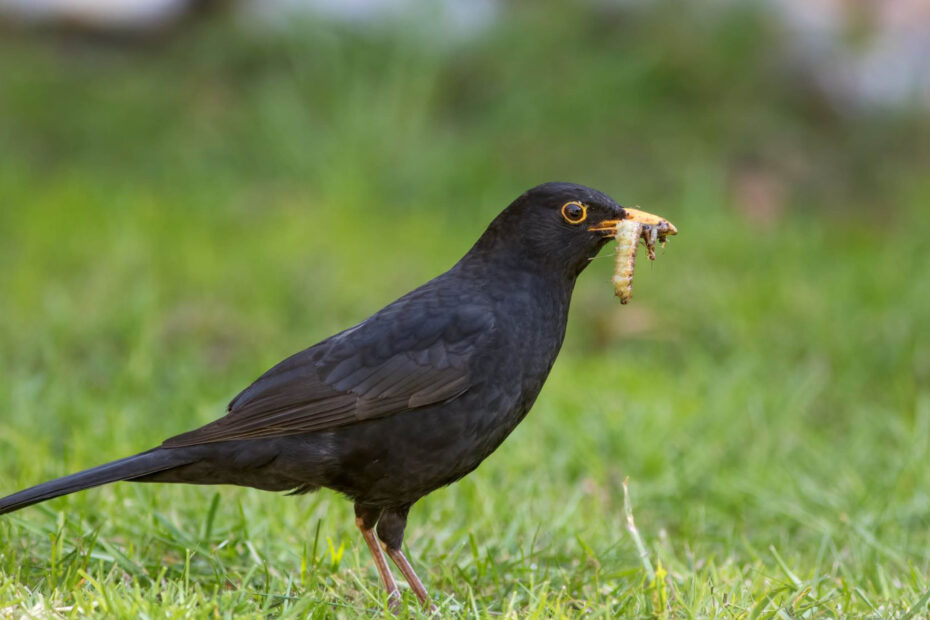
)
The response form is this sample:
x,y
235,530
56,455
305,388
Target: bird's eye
x,y
574,212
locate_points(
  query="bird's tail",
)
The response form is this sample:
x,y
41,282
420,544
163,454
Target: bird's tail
x,y
153,461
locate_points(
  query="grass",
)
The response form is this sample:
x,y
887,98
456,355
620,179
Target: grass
x,y
174,220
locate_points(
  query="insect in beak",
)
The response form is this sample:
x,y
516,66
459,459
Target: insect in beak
x,y
636,225
662,227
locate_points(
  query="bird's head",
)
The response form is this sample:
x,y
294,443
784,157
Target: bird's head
x,y
558,227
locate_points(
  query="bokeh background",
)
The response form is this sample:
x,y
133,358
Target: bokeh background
x,y
190,191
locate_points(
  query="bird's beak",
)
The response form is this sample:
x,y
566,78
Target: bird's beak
x,y
662,225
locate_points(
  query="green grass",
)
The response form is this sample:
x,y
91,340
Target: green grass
x,y
174,220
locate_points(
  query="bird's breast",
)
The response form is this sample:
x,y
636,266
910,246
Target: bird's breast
x,y
402,457
531,316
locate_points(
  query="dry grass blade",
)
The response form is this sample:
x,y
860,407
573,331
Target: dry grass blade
x,y
634,533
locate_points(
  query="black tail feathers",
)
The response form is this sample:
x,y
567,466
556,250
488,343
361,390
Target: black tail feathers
x,y
153,461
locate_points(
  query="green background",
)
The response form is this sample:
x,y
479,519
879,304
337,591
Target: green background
x,y
178,214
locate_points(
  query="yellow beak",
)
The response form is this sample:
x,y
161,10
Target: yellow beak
x,y
662,225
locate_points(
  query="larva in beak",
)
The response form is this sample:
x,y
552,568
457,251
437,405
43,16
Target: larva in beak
x,y
628,234
638,225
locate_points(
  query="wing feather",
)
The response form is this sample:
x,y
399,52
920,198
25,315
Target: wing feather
x,y
412,354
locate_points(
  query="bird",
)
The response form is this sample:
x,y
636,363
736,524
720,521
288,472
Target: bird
x,y
409,400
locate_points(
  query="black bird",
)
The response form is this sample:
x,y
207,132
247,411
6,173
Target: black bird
x,y
409,400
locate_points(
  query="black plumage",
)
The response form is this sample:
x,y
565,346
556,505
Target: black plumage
x,y
412,398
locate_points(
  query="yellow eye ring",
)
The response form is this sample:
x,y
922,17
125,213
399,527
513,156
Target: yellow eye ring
x,y
574,212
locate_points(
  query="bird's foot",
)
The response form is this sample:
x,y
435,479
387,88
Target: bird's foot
x,y
395,602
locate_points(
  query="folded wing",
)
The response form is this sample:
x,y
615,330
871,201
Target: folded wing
x,y
414,353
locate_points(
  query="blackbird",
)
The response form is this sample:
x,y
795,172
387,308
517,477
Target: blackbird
x,y
410,399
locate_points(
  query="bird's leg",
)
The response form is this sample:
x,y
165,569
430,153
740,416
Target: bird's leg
x,y
365,519
391,532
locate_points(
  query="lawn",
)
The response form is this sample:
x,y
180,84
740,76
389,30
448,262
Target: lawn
x,y
177,216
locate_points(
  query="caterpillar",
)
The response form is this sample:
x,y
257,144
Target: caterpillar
x,y
628,234
651,229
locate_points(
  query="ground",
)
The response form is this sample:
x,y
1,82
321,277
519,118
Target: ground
x,y
177,219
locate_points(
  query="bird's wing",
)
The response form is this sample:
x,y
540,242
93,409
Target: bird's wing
x,y
409,355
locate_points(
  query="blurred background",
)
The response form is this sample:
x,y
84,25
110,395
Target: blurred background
x,y
189,191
